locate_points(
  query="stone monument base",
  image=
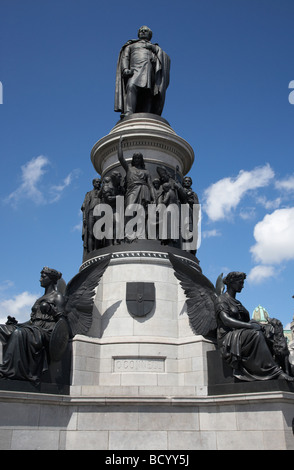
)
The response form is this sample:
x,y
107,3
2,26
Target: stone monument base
x,y
126,419
128,412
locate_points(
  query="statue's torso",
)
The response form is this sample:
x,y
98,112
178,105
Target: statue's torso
x,y
38,316
141,61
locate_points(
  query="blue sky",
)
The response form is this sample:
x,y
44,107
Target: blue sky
x,y
231,66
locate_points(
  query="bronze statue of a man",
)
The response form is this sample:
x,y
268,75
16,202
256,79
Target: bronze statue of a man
x,y
142,76
91,200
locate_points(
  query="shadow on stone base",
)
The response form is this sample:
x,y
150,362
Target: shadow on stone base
x,y
222,382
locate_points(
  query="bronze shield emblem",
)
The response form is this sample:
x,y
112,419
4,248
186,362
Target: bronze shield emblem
x,y
140,298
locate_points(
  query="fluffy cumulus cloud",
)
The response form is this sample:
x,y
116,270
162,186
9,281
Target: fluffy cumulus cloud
x,y
274,237
222,197
274,234
32,186
260,273
19,306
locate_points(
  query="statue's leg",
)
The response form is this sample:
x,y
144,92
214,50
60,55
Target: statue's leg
x,y
148,103
131,101
5,332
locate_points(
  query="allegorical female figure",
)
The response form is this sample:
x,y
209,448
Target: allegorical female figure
x,y
25,345
139,187
242,341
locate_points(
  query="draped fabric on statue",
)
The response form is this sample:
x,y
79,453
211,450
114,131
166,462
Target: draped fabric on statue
x,y
244,349
25,345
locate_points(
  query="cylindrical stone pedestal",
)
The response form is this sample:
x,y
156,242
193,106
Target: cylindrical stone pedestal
x,y
155,351
150,135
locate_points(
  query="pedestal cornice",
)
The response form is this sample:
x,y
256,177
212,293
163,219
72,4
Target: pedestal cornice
x,y
148,134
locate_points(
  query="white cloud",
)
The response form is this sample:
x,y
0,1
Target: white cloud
x,y
57,190
18,306
7,284
32,186
248,213
211,233
267,204
260,273
225,195
32,173
274,237
286,184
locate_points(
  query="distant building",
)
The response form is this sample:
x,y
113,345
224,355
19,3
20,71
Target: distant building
x,y
291,342
260,314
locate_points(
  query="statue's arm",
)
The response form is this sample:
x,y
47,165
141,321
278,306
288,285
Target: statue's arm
x,y
235,324
125,62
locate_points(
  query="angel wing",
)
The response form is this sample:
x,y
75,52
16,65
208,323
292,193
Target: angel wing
x,y
79,296
219,285
200,294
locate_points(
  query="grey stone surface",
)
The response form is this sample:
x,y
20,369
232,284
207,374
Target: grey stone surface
x,y
252,422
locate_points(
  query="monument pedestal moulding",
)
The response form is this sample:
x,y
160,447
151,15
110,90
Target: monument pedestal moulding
x,y
140,351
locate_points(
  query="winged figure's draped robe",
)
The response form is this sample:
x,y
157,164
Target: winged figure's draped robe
x,y
25,345
244,349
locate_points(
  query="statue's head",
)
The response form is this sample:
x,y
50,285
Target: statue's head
x,y
49,275
145,33
116,177
156,183
96,183
235,279
187,182
166,186
138,160
106,180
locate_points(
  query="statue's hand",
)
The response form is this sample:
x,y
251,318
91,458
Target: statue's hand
x,y
151,47
255,325
11,321
128,73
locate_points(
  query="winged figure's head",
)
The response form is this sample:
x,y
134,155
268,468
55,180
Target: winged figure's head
x,y
235,279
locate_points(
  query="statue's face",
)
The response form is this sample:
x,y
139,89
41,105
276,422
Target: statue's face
x,y
96,183
145,33
238,285
44,279
137,160
187,182
117,177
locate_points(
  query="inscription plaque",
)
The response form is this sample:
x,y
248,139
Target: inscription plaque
x,y
139,364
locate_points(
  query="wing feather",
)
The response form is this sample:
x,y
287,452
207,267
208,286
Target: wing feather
x,y
79,295
200,293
